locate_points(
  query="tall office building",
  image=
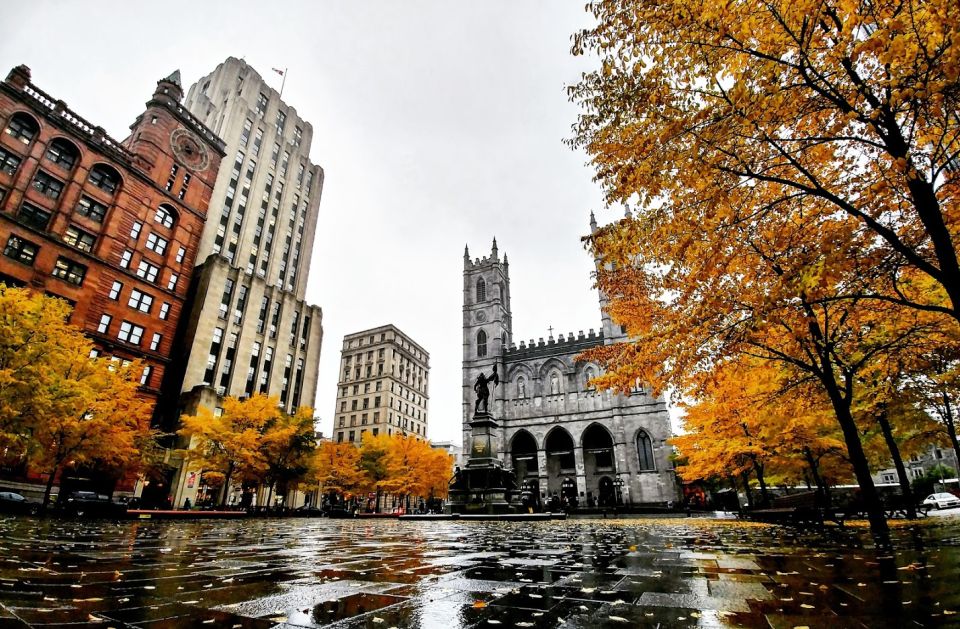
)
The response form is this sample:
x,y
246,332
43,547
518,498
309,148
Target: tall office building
x,y
383,386
249,329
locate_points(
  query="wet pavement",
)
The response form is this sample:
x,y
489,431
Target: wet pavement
x,y
382,574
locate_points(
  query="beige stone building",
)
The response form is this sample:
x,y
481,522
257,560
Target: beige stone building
x,y
383,387
249,328
556,431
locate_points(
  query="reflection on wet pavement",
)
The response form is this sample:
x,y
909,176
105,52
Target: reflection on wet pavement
x,y
382,574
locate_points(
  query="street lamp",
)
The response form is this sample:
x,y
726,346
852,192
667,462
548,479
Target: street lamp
x,y
618,483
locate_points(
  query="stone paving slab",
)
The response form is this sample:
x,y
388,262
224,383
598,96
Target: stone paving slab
x,y
476,575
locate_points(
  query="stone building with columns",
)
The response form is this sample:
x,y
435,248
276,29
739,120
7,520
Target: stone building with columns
x,y
554,426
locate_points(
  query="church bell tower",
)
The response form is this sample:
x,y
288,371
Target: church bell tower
x,y
487,326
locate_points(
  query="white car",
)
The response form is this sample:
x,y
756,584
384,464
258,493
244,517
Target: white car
x,y
942,501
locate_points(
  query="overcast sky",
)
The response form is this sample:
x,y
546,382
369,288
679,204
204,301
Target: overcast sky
x,y
438,124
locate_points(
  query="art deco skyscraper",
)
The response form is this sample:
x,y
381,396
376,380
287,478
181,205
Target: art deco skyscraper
x,y
250,330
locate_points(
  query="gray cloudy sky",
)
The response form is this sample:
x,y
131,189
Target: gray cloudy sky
x,y
437,123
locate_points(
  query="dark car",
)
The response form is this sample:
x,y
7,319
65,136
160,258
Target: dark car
x,y
12,502
90,503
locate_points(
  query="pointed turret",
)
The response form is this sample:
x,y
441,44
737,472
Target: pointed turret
x,y
493,250
593,222
466,254
170,87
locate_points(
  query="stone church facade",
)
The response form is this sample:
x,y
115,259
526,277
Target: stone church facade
x,y
555,427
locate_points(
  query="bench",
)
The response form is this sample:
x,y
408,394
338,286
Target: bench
x,y
802,508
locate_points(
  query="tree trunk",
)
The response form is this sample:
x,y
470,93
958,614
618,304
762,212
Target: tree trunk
x,y
226,486
951,428
49,488
745,477
858,460
764,496
894,448
817,479
270,495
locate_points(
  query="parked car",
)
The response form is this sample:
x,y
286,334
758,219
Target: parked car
x,y
12,502
942,500
81,503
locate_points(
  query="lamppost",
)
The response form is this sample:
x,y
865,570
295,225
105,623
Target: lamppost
x,y
618,484
568,487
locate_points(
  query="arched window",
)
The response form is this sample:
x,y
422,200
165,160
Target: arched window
x,y
481,343
165,216
645,452
62,153
481,290
22,127
105,178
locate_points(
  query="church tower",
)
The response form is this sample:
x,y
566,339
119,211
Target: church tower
x,y
487,325
612,333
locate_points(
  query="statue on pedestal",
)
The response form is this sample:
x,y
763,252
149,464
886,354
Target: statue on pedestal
x,y
483,392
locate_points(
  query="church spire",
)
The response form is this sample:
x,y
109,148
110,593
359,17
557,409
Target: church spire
x,y
466,253
493,250
593,222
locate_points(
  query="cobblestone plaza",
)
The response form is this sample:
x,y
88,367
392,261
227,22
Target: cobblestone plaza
x,y
578,573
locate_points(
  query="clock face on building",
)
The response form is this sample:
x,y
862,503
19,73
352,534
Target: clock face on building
x,y
481,316
188,150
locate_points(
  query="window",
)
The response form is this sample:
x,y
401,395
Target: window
x,y
281,121
91,209
78,238
284,164
20,250
156,244
184,186
62,153
481,290
257,142
125,258
165,216
145,376
47,185
140,301
172,282
22,127
69,271
104,323
155,341
180,253
481,344
245,134
105,178
164,310
262,102
645,452
297,136
172,179
130,333
135,230
147,271
34,216
115,290
8,162
275,156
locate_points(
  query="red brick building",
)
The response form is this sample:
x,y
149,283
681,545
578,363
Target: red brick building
x,y
112,227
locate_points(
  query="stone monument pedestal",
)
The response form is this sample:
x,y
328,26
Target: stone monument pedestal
x,y
482,486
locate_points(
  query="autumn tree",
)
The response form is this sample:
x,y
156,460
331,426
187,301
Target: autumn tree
x,y
847,107
373,453
288,444
231,442
59,406
336,468
787,166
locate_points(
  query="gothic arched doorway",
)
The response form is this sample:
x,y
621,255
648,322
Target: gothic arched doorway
x,y
561,463
523,454
605,496
597,460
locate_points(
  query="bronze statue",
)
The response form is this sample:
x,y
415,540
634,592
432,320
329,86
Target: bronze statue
x,y
483,393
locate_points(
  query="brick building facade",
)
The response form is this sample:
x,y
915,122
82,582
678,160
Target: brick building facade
x,y
112,227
